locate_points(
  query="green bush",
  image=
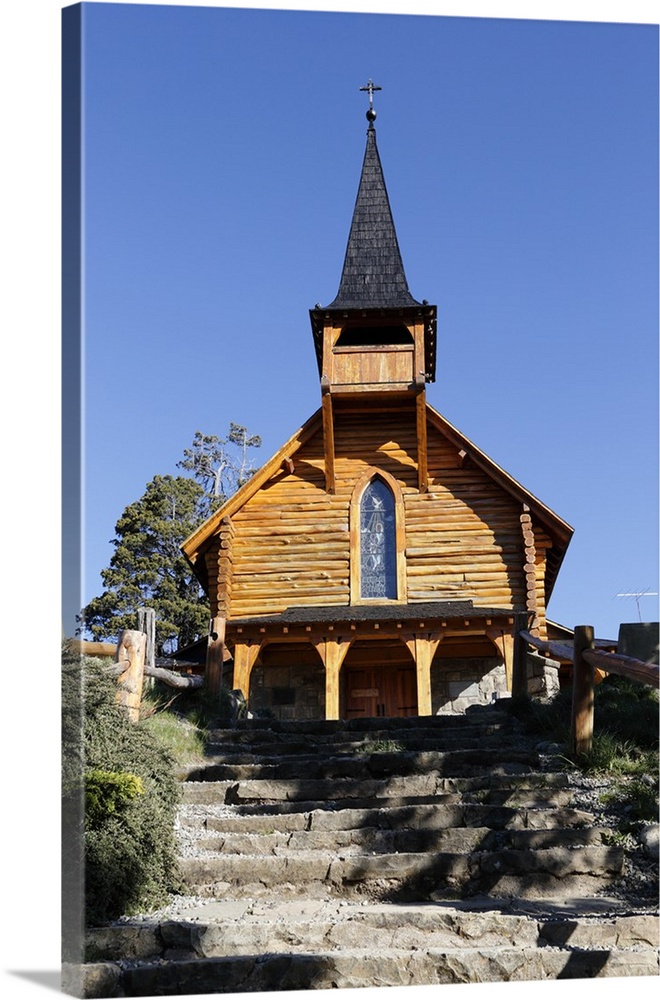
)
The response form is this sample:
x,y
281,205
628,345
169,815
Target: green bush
x,y
126,778
108,793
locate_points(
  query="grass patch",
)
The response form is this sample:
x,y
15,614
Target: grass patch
x,y
625,740
613,754
180,720
637,798
184,739
383,746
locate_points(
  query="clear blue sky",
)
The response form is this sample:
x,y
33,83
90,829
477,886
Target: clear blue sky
x,y
221,169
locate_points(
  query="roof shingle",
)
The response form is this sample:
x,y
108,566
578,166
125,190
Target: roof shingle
x,y
373,275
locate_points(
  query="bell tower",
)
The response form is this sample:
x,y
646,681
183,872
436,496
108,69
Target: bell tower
x,y
375,344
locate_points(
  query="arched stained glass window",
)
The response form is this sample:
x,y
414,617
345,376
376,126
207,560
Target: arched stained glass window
x,y
378,576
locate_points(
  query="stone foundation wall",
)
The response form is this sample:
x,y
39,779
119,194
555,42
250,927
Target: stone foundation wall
x,y
457,684
293,692
542,676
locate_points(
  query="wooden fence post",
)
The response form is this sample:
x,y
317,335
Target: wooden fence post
x,y
582,711
215,650
130,654
146,622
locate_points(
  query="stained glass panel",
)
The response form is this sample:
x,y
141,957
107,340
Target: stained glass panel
x,y
377,542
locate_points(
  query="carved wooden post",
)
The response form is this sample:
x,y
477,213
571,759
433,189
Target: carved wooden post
x,y
582,712
214,657
503,642
130,654
245,656
333,653
423,648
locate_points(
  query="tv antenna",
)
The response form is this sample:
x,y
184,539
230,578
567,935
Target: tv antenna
x,y
638,594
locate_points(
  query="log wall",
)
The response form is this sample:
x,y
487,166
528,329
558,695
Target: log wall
x,y
289,544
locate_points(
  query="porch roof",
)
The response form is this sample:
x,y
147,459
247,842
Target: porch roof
x,y
425,611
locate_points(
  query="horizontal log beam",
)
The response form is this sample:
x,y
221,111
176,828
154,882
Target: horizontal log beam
x,y
174,679
558,650
624,666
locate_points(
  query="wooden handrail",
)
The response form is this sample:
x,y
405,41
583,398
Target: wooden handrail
x,y
560,650
585,660
624,666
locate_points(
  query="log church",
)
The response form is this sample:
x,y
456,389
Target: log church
x,y
379,564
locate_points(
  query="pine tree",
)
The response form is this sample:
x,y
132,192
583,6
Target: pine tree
x,y
148,569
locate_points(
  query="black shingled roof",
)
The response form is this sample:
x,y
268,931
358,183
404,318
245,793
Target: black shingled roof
x,y
373,275
427,610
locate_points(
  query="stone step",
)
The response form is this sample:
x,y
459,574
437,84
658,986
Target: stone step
x,y
353,968
251,927
421,873
362,767
377,841
341,789
249,753
486,715
438,815
265,741
496,779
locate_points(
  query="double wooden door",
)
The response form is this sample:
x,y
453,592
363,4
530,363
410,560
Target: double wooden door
x,y
372,692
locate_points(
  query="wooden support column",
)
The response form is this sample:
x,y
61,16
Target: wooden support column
x,y
519,674
423,647
333,653
422,448
245,656
131,650
328,435
215,651
503,643
582,710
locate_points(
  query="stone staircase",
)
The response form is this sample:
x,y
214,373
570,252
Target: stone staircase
x,y
381,852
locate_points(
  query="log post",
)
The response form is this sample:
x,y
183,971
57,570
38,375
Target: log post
x,y
130,654
504,643
332,653
245,656
582,710
215,651
332,668
423,649
519,681
423,657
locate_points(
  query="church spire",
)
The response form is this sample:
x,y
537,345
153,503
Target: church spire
x,y
373,275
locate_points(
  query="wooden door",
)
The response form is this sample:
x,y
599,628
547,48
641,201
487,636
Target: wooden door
x,y
374,692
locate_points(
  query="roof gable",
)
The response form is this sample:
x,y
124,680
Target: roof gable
x,y
558,530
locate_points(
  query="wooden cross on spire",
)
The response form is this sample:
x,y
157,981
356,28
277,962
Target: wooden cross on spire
x,y
371,114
